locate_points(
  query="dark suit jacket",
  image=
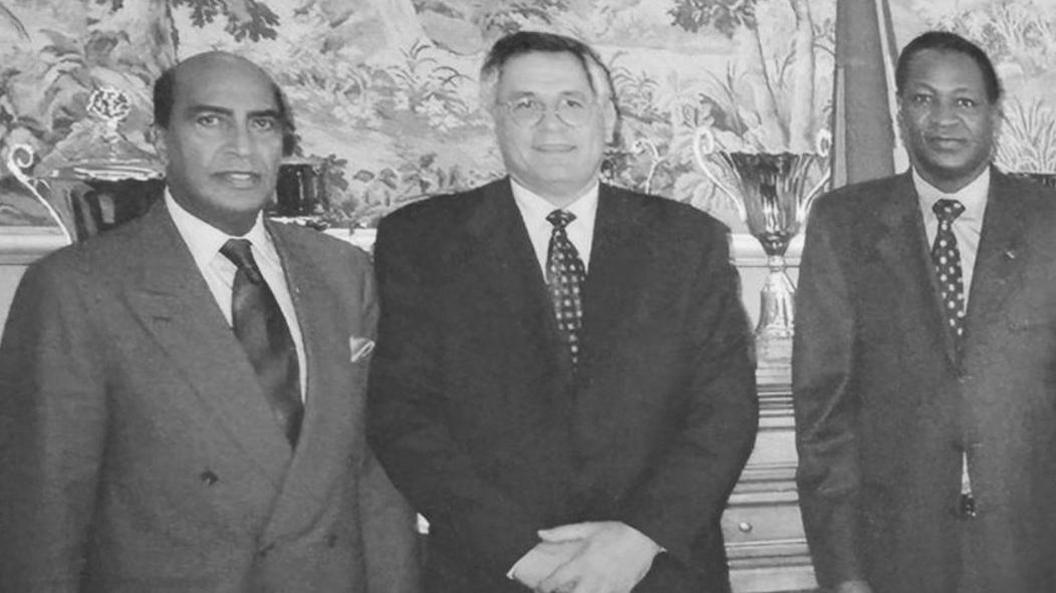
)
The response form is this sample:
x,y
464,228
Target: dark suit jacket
x,y
481,422
884,406
138,453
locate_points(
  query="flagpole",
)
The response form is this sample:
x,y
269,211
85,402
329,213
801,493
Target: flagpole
x,y
863,131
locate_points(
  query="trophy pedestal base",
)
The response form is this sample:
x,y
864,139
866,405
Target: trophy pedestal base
x,y
772,374
773,358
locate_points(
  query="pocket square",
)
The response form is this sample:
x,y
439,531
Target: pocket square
x,y
359,348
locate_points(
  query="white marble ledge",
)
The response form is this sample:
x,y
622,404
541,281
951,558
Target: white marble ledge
x,y
23,245
747,251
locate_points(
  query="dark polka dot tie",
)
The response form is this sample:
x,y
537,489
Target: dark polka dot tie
x,y
565,276
947,260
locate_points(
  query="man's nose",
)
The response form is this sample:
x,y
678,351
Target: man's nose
x,y
550,119
240,141
943,112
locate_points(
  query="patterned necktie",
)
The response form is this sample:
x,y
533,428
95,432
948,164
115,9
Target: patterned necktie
x,y
947,260
565,276
261,328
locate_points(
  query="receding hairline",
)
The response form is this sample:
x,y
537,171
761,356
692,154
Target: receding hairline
x,y
167,85
214,59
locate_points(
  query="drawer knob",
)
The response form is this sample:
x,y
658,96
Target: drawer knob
x,y
745,527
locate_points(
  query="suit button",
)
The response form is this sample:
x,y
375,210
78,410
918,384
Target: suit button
x,y
965,508
208,477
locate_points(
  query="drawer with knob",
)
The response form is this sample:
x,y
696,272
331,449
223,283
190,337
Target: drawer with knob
x,y
763,520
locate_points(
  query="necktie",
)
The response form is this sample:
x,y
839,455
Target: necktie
x,y
261,328
947,260
565,276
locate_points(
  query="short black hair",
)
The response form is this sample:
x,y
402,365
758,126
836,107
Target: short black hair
x,y
524,42
165,96
948,42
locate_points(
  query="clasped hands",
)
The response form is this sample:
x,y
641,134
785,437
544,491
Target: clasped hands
x,y
595,557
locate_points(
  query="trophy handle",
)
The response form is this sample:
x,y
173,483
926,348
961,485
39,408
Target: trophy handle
x,y
19,159
704,134
641,145
823,146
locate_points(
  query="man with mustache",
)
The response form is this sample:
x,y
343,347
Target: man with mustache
x,y
924,355
183,397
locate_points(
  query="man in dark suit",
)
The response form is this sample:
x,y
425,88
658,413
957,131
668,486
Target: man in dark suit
x,y
183,399
562,383
924,355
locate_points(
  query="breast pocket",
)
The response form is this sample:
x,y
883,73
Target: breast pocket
x,y
1018,325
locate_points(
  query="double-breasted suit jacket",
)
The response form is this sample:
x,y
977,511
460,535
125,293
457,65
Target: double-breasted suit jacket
x,y
886,407
479,417
139,454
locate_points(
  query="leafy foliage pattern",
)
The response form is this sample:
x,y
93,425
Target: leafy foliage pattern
x,y
391,124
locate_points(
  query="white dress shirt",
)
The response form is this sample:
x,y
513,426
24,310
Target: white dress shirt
x,y
205,241
967,228
534,210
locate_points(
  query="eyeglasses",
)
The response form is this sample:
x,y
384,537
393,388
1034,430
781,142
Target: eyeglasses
x,y
573,111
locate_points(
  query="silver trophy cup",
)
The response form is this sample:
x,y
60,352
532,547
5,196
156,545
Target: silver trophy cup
x,y
772,193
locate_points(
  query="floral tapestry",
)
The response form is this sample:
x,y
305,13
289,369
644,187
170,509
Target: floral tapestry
x,y
384,92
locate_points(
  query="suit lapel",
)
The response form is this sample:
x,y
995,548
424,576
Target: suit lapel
x,y
500,256
1001,253
903,247
331,421
175,305
617,274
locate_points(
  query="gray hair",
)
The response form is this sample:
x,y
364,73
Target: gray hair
x,y
524,42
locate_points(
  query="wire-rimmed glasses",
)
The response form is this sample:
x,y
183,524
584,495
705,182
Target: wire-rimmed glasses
x,y
573,110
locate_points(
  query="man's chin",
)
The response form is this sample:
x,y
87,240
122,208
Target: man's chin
x,y
951,171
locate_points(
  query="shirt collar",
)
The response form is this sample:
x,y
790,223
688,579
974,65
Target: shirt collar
x,y
973,196
536,207
205,240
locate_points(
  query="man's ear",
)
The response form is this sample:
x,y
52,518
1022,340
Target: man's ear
x,y
999,119
900,122
157,138
611,121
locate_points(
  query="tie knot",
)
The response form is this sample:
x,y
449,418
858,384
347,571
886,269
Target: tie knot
x,y
560,218
240,252
947,210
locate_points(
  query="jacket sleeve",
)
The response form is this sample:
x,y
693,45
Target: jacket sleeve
x,y
689,486
389,530
406,425
390,537
52,431
828,476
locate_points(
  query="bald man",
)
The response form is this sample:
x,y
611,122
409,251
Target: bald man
x,y
182,398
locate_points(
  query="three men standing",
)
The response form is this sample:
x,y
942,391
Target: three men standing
x,y
924,355
562,383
